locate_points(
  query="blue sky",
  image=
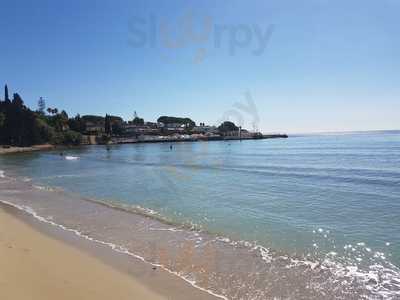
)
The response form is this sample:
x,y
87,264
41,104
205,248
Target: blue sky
x,y
327,66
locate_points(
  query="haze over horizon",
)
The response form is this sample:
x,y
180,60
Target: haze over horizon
x,y
307,66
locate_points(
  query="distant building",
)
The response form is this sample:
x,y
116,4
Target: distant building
x,y
204,129
151,124
136,130
174,128
175,125
234,133
94,125
94,128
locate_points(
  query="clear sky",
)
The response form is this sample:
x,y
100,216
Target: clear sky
x,y
326,65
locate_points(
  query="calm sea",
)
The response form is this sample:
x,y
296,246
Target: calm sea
x,y
326,206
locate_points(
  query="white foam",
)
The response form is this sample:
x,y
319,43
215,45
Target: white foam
x,y
43,188
172,229
2,174
266,256
113,246
68,157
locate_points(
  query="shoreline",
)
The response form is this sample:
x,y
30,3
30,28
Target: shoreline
x,y
124,276
65,272
13,150
122,141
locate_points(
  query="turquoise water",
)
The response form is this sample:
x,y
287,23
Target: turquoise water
x,y
304,194
306,217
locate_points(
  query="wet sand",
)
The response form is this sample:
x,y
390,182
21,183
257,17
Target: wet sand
x,y
34,266
38,262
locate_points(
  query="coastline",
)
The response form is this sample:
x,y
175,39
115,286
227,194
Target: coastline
x,y
45,147
13,150
169,139
73,268
121,141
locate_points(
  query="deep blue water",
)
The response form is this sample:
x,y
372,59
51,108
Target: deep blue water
x,y
305,194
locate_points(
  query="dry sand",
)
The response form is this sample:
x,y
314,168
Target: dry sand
x,y
36,267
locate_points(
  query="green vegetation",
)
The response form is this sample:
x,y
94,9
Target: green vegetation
x,y
41,106
20,126
227,126
2,119
107,125
171,120
77,124
93,119
138,121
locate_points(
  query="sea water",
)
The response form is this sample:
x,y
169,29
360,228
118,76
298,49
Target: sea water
x,y
305,217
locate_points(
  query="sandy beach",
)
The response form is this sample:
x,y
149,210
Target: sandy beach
x,y
42,262
35,266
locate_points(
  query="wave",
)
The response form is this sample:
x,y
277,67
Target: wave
x,y
148,213
63,176
68,157
44,188
2,174
113,246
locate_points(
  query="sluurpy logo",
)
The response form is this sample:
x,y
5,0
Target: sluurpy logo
x,y
199,34
243,113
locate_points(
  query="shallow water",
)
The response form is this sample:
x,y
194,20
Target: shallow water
x,y
305,217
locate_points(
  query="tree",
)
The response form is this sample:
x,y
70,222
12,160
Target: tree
x,y
184,121
117,129
41,106
107,125
52,111
2,119
17,100
227,126
64,115
77,124
138,121
6,98
20,126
